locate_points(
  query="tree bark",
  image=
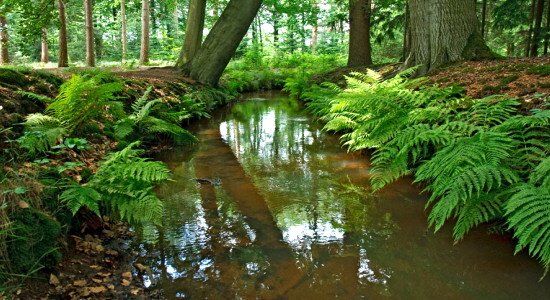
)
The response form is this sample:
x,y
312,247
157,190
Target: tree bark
x,y
44,53
124,31
407,34
547,36
315,35
193,31
530,32
144,50
536,29
359,33
63,49
4,57
90,54
444,31
175,19
222,41
483,17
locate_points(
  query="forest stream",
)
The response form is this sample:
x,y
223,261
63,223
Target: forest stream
x,y
290,216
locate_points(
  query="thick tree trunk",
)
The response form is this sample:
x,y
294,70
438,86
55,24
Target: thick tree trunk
x,y
547,36
193,32
359,33
63,49
537,36
124,31
444,31
90,53
144,50
222,41
4,57
44,53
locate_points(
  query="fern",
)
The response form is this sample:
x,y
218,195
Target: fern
x,y
79,196
41,133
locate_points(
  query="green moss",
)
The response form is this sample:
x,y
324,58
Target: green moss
x,y
476,49
545,85
508,79
92,128
11,77
34,241
543,70
48,77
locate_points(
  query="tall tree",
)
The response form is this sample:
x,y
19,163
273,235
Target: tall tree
x,y
222,41
90,54
547,35
45,53
537,34
444,31
124,32
193,31
530,32
4,57
483,17
359,33
144,50
63,47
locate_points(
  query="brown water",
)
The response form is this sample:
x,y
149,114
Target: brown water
x,y
291,217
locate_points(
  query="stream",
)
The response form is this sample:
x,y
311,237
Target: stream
x,y
290,216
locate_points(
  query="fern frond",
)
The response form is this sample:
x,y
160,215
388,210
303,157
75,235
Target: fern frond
x,y
80,196
481,209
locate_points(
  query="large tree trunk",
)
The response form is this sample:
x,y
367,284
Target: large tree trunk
x,y
44,53
359,33
537,36
222,41
90,53
4,57
144,50
193,31
444,31
63,49
124,31
547,36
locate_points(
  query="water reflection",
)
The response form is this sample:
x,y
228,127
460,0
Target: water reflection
x,y
293,219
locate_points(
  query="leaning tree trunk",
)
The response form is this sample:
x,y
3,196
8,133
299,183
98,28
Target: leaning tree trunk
x,y
90,54
63,49
123,33
444,31
193,31
44,53
144,51
222,41
4,57
359,33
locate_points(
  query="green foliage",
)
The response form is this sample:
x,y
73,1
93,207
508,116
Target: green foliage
x,y
479,159
82,99
140,125
122,187
41,133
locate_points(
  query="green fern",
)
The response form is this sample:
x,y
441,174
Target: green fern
x,y
41,133
79,196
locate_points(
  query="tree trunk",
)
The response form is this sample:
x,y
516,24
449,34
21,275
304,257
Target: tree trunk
x,y
193,31
63,49
144,51
359,33
530,32
444,31
407,34
315,35
222,41
90,54
547,36
536,29
124,32
483,17
44,53
175,19
4,57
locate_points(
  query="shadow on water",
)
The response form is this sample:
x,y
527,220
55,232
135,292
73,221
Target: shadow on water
x,y
287,215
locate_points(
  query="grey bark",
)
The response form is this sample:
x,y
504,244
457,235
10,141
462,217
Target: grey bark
x,y
193,31
144,50
222,41
359,33
90,54
44,53
63,49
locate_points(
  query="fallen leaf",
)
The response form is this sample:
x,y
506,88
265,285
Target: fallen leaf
x,y
80,282
96,267
97,280
112,252
23,204
104,274
127,275
134,291
141,267
54,280
111,286
125,282
97,289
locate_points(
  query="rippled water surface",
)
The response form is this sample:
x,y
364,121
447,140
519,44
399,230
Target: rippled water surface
x,y
288,215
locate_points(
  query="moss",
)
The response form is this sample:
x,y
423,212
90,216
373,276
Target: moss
x,y
92,128
48,77
34,241
543,70
476,49
545,85
508,79
11,77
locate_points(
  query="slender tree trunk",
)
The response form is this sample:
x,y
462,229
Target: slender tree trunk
x,y
483,17
536,29
407,34
359,33
175,19
530,32
193,31
547,36
315,35
144,51
63,49
124,32
276,29
444,31
4,57
90,53
222,41
45,53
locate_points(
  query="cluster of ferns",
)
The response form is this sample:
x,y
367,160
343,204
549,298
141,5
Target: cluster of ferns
x,y
479,160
